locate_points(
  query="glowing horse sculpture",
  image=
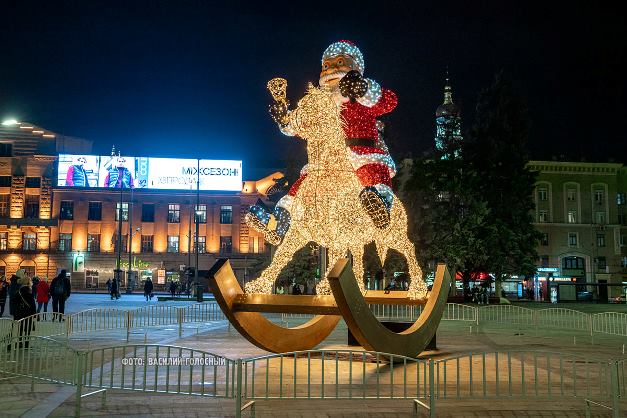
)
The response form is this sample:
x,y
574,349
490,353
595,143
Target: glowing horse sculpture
x,y
327,210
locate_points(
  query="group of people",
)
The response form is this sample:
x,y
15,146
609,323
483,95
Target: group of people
x,y
177,288
480,295
27,296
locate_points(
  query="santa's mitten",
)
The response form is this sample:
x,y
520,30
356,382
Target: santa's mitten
x,y
279,111
353,85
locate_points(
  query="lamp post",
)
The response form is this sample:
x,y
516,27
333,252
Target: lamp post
x,y
130,282
199,287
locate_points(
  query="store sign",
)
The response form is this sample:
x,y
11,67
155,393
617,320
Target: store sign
x,y
88,171
137,264
161,276
548,270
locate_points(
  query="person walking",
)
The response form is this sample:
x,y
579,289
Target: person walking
x,y
148,286
60,290
109,286
13,288
43,295
113,290
35,283
24,307
172,289
4,292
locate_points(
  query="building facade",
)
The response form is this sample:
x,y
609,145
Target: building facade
x,y
581,212
44,228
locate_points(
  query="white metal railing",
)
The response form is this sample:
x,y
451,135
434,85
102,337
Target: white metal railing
x,y
507,314
563,318
316,374
6,328
614,323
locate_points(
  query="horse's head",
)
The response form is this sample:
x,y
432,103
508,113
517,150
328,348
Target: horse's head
x,y
317,116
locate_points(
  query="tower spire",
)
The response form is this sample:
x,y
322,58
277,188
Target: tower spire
x,y
448,91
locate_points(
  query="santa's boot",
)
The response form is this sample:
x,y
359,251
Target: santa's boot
x,y
273,226
377,202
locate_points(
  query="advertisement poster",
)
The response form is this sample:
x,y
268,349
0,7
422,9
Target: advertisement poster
x,y
86,171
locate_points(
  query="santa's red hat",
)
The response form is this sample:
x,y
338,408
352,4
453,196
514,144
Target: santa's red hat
x,y
347,48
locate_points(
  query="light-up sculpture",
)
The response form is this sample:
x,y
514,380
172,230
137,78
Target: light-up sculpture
x,y
326,208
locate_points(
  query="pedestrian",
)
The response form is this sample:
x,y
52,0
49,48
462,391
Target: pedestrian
x,y
24,307
35,283
13,288
109,286
113,289
43,295
4,292
148,286
60,290
172,288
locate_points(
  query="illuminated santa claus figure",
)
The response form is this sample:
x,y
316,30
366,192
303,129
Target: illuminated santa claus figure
x,y
362,100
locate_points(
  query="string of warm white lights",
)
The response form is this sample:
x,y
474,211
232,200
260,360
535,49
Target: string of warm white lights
x,y
327,210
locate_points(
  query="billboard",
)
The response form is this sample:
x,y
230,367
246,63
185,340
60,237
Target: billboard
x,y
83,171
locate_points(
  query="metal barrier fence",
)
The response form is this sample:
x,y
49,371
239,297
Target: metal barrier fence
x,y
613,323
317,374
563,318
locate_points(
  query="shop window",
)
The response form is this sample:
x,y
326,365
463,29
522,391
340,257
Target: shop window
x,y
95,211
66,211
226,214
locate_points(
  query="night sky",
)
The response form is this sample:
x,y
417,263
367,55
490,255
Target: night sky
x,y
187,78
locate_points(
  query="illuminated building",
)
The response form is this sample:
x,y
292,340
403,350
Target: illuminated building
x,y
448,123
45,228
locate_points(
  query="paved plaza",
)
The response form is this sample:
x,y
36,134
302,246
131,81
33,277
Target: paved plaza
x,y
454,339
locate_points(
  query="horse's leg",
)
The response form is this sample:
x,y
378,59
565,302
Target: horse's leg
x,y
358,266
323,288
292,242
417,286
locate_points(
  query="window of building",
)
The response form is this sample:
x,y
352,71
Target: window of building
x,y
599,197
29,241
542,194
600,240
202,244
572,239
5,181
622,240
571,195
226,214
93,243
226,245
67,210
601,263
620,198
544,261
29,270
173,243
33,182
124,242
543,216
4,240
6,150
201,214
599,217
174,214
572,216
65,242
147,243
124,211
544,240
572,263
5,203
148,212
95,211
31,205
255,245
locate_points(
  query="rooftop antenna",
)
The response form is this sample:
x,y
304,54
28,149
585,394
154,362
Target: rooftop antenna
x,y
113,150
